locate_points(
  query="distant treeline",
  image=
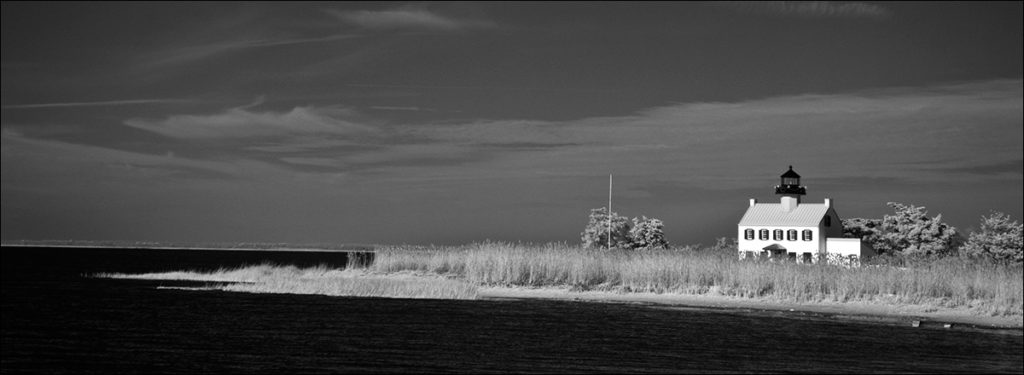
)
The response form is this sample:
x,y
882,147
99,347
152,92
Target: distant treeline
x,y
909,231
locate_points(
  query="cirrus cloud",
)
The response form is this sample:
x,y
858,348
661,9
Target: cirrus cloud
x,y
244,123
393,19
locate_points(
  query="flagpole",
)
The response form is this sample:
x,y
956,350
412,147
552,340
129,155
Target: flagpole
x,y
609,211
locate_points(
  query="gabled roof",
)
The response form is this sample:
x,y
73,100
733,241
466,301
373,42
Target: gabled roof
x,y
803,215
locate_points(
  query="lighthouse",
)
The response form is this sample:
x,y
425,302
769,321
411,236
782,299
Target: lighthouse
x,y
791,229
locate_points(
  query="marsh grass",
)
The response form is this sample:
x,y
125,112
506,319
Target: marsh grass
x,y
320,280
455,272
984,287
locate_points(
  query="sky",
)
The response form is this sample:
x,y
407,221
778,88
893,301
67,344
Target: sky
x,y
458,122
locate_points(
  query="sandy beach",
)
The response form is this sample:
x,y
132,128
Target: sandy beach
x,y
888,313
877,312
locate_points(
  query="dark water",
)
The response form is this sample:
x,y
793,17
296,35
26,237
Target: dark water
x,y
56,321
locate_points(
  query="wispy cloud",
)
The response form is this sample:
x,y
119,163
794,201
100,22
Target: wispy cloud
x,y
285,42
304,144
93,104
79,159
204,51
402,108
871,134
872,142
406,18
242,122
466,87
811,9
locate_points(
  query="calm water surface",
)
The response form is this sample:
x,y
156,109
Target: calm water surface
x,y
57,321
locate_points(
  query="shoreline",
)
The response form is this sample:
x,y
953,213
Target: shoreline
x,y
891,314
881,312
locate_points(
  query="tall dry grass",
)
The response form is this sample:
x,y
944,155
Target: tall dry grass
x,y
320,280
986,287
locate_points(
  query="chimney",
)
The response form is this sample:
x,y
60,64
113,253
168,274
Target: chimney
x,y
753,201
828,202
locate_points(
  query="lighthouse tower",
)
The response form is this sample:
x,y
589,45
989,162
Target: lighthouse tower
x,y
790,190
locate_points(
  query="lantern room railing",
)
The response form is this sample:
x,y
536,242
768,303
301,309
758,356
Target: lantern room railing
x,y
790,189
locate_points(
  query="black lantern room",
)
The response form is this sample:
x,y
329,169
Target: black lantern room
x,y
790,184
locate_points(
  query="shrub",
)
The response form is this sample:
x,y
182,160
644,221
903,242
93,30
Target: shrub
x,y
868,230
1000,239
724,245
643,234
595,235
648,234
908,231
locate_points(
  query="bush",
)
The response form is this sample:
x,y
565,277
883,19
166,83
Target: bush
x,y
724,245
867,230
648,234
643,234
595,235
1000,239
908,231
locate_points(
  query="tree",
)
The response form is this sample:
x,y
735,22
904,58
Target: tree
x,y
909,231
595,235
648,234
642,234
999,238
868,230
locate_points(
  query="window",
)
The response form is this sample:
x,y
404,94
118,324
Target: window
x,y
808,235
748,234
828,220
791,235
763,234
777,235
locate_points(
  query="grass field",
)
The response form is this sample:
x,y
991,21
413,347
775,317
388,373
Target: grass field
x,y
456,272
985,287
269,278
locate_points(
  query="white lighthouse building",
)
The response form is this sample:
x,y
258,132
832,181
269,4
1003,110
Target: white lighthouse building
x,y
793,230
